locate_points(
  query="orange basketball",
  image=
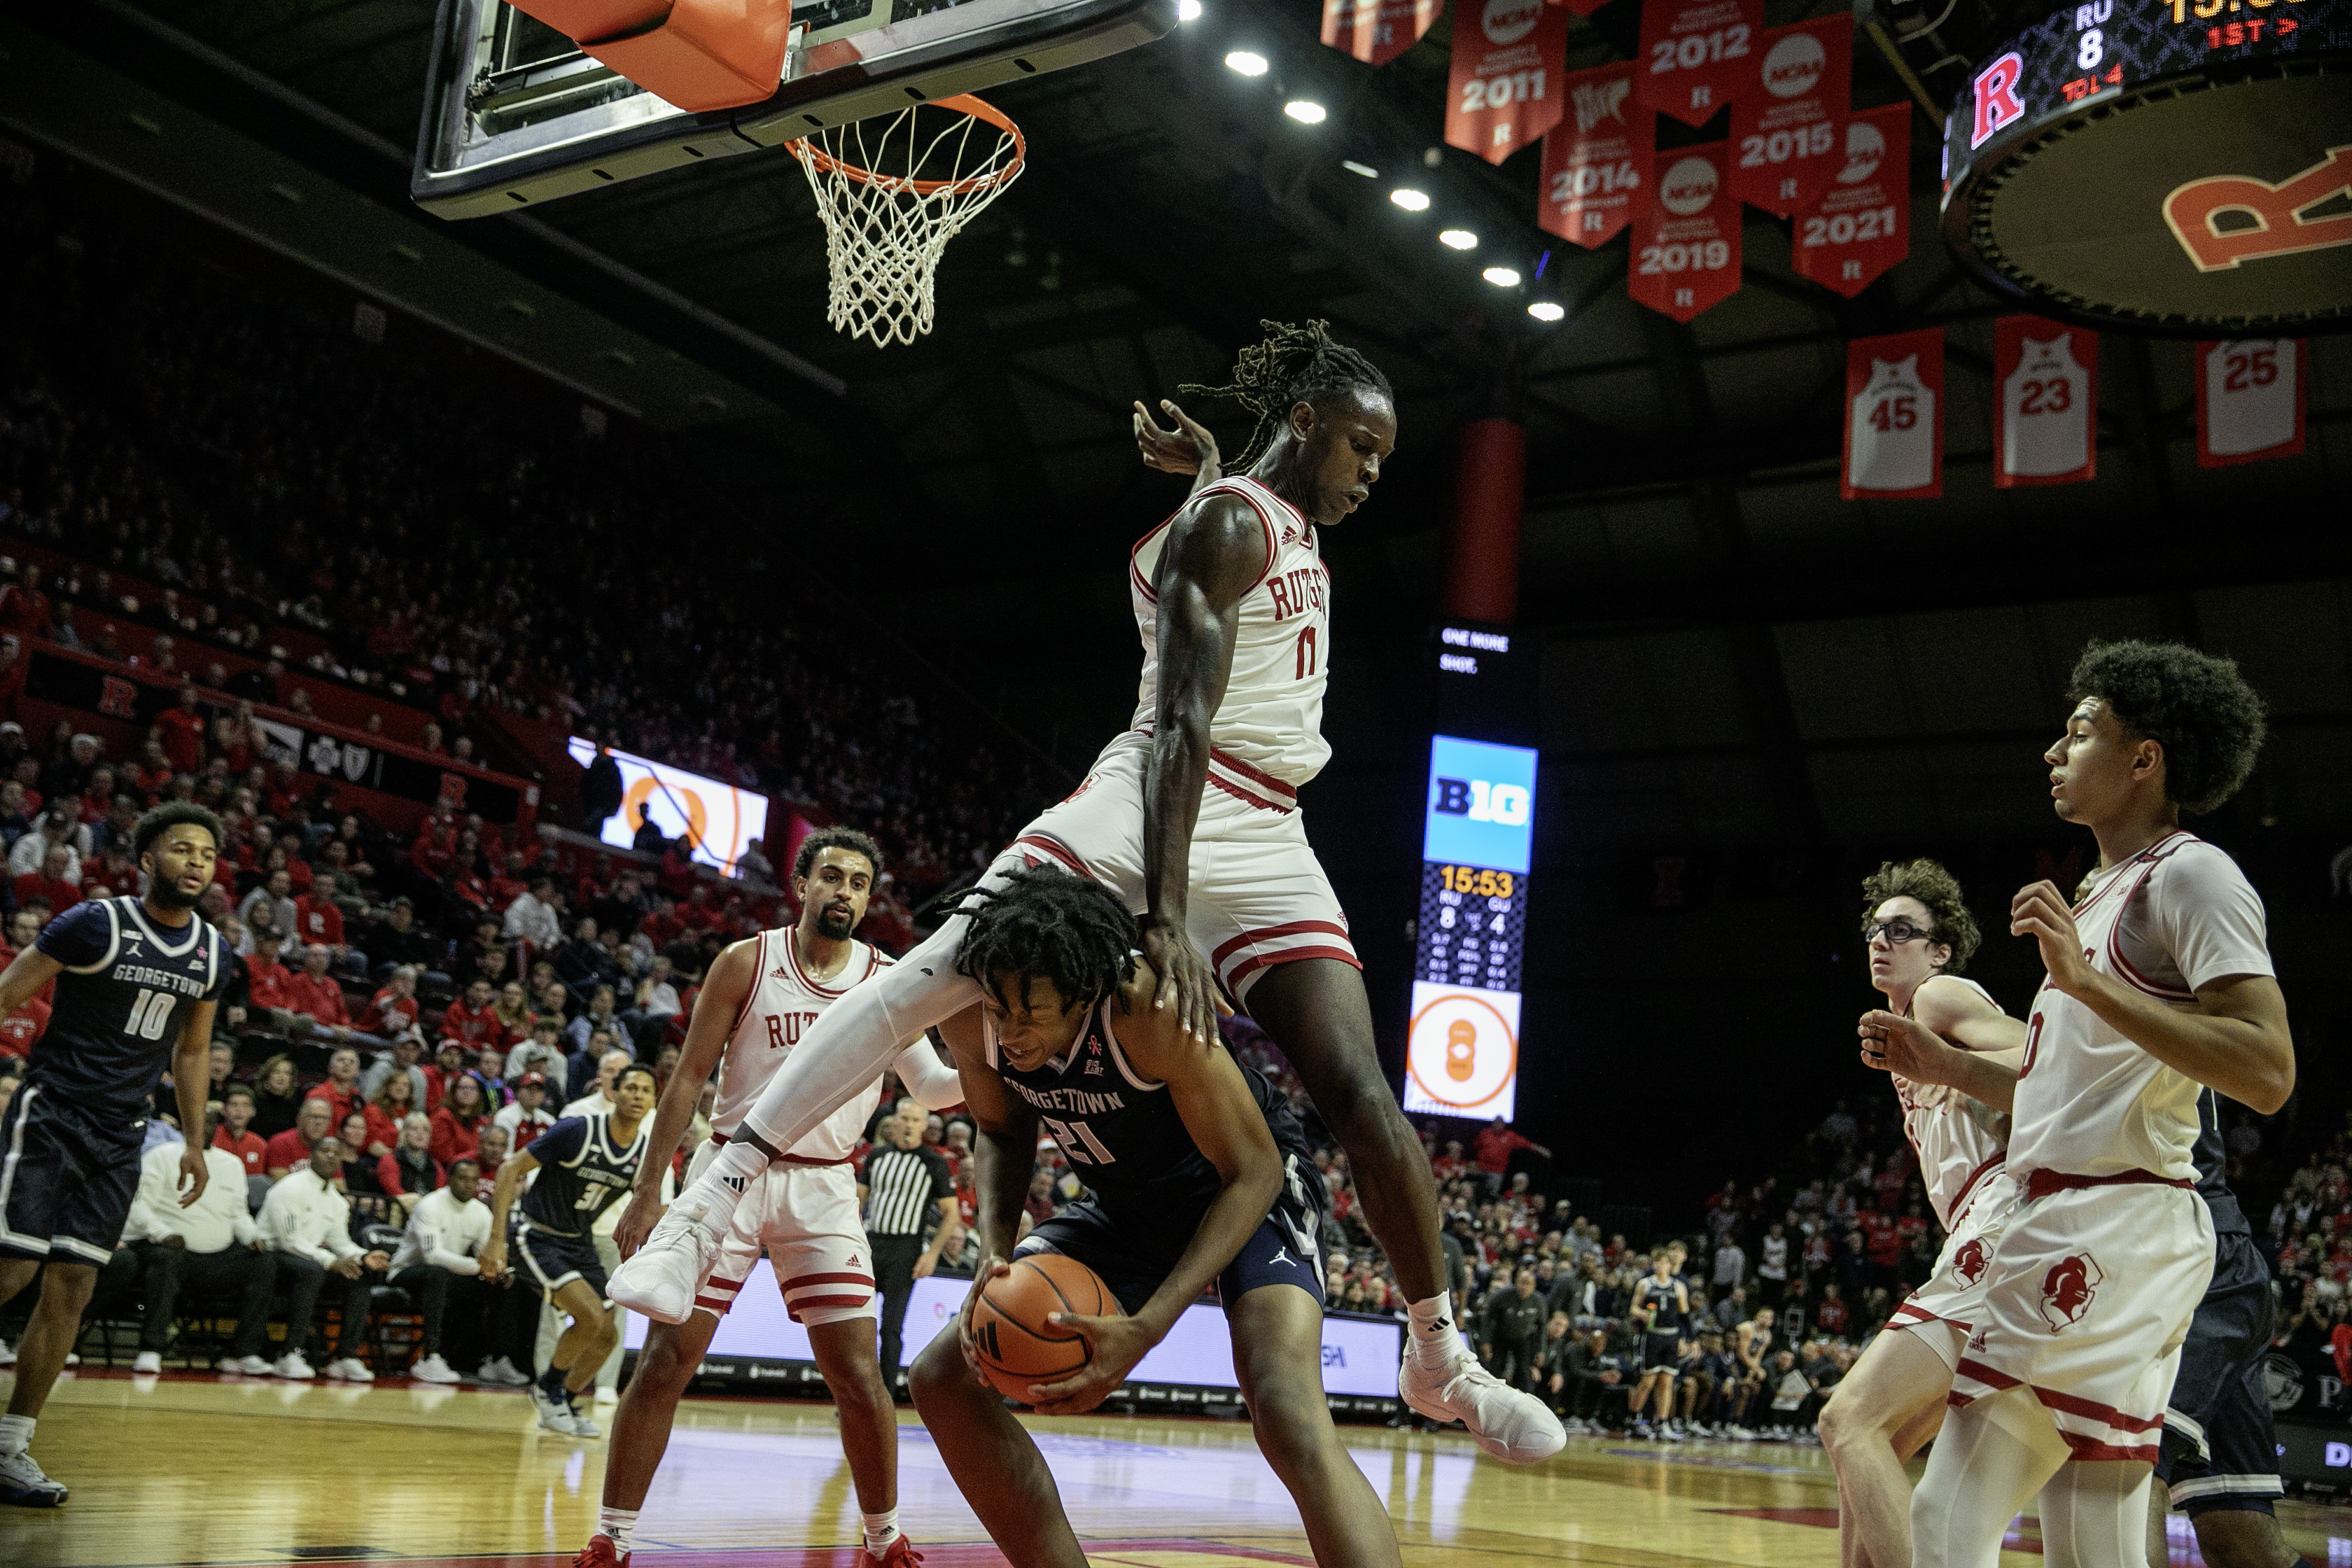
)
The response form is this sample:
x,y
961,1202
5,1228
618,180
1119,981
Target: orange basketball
x,y
1015,1344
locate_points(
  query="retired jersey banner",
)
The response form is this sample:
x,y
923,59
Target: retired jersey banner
x,y
1894,418
1786,127
2249,400
1697,56
1686,240
1378,31
1596,165
1861,225
2045,412
1504,92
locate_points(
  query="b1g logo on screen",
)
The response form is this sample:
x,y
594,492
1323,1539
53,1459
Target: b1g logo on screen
x,y
1481,804
1482,800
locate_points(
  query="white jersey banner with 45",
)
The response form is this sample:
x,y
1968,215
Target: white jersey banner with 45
x,y
1861,226
1696,56
1376,31
1505,90
1687,242
1786,128
1894,418
1596,161
2045,418
2248,400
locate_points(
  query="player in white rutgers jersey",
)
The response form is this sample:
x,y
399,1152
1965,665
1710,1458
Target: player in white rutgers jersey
x,y
758,1002
1917,926
2159,981
1192,816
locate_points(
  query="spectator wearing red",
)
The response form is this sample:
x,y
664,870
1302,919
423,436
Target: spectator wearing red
x,y
390,1107
662,926
49,884
290,1150
235,1133
392,1011
696,914
528,1117
676,875
1831,1317
1496,1143
434,851
272,984
510,883
319,997
458,1124
110,874
444,1069
182,737
150,776
23,608
98,795
341,1089
319,923
22,1027
472,1020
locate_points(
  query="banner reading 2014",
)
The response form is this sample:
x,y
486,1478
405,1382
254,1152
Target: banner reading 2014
x,y
1596,165
1504,92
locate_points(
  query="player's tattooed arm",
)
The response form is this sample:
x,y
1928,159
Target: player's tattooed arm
x,y
1213,555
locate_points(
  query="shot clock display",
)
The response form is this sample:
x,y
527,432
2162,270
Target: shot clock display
x,y
1461,1050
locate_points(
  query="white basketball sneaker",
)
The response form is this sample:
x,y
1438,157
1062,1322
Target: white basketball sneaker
x,y
661,1280
1515,1428
554,1413
22,1484
433,1369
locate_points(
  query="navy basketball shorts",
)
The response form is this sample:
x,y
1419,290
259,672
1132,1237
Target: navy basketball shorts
x,y
65,1180
1285,1249
1662,1353
550,1260
2219,1448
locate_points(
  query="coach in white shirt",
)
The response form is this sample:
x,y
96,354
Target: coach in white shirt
x,y
308,1226
210,1245
436,1265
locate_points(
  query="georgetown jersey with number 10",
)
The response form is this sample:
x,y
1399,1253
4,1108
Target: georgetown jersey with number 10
x,y
582,1172
128,987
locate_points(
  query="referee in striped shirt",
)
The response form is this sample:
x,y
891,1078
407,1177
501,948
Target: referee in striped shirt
x,y
903,1182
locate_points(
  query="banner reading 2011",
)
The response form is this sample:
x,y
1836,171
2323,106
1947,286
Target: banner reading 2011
x,y
1596,164
1505,93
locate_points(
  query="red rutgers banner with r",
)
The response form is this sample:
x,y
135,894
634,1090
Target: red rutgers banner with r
x,y
1505,88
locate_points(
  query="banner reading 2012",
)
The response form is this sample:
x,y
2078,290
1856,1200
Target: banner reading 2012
x,y
1505,90
1697,55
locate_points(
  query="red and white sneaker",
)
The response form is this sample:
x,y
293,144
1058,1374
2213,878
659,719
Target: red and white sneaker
x,y
898,1554
599,1554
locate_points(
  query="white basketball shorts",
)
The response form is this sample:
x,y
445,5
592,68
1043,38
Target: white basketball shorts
x,y
804,1217
1943,1311
2086,1302
1258,896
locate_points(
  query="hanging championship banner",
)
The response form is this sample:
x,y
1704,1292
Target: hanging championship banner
x,y
1686,237
1595,165
1861,225
1580,7
1894,418
1787,124
1697,55
2248,400
2045,412
1504,91
1376,31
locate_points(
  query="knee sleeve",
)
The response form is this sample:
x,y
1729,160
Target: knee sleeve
x,y
2094,1514
1991,1455
853,1043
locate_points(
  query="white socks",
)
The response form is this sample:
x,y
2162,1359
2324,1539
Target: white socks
x,y
16,1435
1435,1341
881,1529
618,1525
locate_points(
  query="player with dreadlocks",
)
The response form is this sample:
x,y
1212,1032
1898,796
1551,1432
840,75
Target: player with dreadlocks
x,y
1191,816
1196,1173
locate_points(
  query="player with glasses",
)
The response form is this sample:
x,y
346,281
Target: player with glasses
x,y
1921,935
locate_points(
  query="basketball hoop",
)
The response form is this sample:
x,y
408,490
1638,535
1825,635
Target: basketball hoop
x,y
892,197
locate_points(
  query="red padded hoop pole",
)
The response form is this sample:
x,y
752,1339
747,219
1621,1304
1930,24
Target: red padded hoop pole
x,y
963,103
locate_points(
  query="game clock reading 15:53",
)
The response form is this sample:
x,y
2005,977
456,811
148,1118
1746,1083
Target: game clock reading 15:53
x,y
1478,837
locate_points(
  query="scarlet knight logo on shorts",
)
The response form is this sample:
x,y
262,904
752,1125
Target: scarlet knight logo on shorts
x,y
2069,1288
1376,31
1969,1262
1697,56
1786,130
1686,246
2045,421
2248,400
1894,418
1596,161
1505,87
1861,225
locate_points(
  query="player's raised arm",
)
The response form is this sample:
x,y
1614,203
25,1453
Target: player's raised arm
x,y
732,974
1189,449
1214,553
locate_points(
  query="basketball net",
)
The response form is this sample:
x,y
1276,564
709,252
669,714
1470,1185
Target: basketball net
x,y
892,191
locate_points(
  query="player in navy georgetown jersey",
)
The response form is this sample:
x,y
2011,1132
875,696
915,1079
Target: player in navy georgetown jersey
x,y
584,1164
137,980
1196,1172
1663,1303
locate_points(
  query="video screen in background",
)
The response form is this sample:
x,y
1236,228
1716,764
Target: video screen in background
x,y
722,820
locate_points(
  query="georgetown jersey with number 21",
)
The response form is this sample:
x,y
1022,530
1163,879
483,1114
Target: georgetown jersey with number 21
x,y
128,986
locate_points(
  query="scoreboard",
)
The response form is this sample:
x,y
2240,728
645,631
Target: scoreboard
x,y
1462,1047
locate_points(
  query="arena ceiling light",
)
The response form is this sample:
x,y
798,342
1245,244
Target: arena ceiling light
x,y
1246,63
1187,10
1459,239
1502,277
1546,309
1305,111
1366,170
1412,201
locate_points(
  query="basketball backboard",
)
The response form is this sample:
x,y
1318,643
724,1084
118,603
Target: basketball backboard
x,y
515,115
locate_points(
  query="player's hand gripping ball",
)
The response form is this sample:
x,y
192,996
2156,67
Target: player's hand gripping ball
x,y
1008,1335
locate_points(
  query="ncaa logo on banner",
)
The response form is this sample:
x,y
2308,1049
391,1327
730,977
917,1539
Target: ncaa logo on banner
x,y
1793,67
1688,187
1508,21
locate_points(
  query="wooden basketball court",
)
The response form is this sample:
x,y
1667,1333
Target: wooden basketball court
x,y
198,1469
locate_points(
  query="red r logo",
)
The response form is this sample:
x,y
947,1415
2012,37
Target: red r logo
x,y
1997,101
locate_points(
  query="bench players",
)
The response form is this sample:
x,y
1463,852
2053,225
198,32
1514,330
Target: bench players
x,y
1193,816
758,997
137,982
1197,1173
1919,934
2160,982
